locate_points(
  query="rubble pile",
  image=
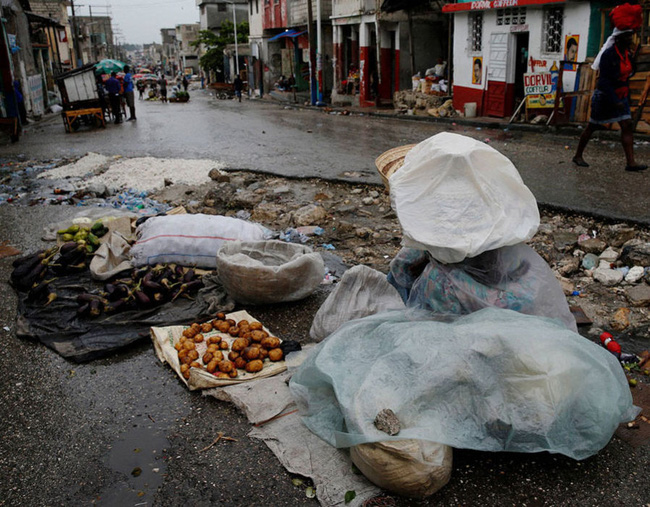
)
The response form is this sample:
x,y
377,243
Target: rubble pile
x,y
603,268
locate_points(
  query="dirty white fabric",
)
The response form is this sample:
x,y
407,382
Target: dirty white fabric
x,y
299,450
457,197
611,40
111,258
362,291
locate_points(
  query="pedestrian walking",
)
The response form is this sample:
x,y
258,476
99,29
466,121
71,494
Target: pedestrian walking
x,y
162,82
113,87
239,86
141,88
185,83
610,102
128,93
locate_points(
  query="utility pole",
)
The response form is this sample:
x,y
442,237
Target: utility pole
x,y
92,45
234,21
319,52
75,36
313,85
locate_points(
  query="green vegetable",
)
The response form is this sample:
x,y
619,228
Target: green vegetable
x,y
92,239
68,237
350,495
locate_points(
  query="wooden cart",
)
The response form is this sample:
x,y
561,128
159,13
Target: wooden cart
x,y
82,103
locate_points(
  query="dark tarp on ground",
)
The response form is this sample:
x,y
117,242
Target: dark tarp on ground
x,y
85,338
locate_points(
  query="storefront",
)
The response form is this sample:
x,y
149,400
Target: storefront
x,y
498,42
367,59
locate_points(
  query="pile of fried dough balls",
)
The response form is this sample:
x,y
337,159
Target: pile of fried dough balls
x,y
250,347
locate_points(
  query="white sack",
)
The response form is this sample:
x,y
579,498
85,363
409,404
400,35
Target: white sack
x,y
189,240
457,197
412,468
362,291
263,272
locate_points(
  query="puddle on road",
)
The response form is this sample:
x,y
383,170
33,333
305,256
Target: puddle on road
x,y
135,456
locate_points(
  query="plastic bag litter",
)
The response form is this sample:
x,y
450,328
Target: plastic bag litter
x,y
457,197
513,277
362,291
413,468
189,240
262,272
494,380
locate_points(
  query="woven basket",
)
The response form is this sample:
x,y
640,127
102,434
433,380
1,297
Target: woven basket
x,y
390,161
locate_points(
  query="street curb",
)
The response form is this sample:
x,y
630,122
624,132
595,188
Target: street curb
x,y
566,130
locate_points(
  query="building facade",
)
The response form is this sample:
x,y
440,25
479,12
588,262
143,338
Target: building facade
x,y
497,43
188,55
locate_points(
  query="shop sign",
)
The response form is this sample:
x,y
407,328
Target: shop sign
x,y
539,88
519,28
482,5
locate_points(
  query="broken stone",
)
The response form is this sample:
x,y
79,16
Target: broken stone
x,y
608,277
387,422
363,232
621,319
283,189
367,201
321,196
564,240
99,189
609,255
619,234
267,212
246,199
217,175
635,274
636,254
310,215
569,266
639,295
593,245
356,190
374,194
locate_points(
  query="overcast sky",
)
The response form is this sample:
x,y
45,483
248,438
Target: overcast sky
x,y
140,21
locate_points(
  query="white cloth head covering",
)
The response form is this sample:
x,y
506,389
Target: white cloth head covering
x,y
608,44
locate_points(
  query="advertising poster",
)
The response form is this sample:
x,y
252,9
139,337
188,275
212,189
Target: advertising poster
x,y
477,70
539,88
571,43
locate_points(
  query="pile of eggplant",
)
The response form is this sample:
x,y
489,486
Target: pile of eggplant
x,y
145,288
35,272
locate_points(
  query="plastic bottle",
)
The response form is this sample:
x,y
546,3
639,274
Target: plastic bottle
x,y
607,340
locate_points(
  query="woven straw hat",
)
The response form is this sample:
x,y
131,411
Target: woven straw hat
x,y
390,161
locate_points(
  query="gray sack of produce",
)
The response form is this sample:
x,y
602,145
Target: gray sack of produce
x,y
494,380
263,272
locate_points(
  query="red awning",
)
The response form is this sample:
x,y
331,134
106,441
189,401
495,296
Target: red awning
x,y
482,5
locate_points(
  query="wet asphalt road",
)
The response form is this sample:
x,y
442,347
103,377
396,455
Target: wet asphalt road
x,y
265,136
75,434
